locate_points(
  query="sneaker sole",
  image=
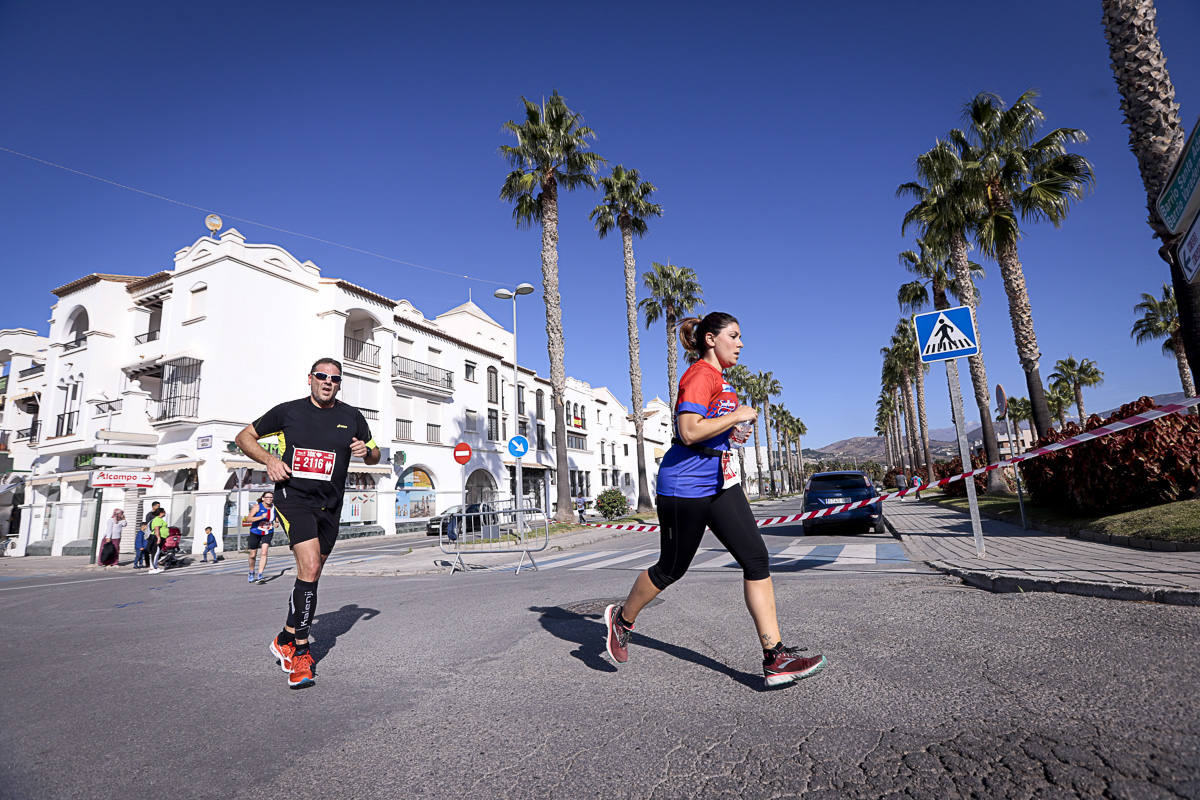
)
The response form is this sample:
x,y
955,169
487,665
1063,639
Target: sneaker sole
x,y
278,656
302,684
792,677
608,623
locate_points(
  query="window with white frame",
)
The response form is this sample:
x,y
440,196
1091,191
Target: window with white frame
x,y
469,371
197,300
472,422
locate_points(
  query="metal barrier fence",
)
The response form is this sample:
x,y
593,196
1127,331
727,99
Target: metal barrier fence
x,y
496,527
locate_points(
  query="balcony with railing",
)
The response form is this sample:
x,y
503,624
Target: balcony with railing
x,y
29,434
406,369
404,430
29,372
433,434
148,336
66,423
369,413
79,341
360,351
173,408
3,384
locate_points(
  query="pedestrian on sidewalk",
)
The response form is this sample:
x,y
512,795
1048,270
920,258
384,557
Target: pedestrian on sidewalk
x,y
695,491
139,548
158,536
110,547
210,545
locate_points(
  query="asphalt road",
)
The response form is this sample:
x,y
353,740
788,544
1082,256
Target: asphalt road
x,y
495,685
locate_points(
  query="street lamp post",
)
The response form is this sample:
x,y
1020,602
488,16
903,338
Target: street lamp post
x,y
506,294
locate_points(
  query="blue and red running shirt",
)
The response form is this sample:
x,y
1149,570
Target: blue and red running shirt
x,y
684,472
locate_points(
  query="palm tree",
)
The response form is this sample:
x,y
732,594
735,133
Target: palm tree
x,y
738,377
551,149
904,343
627,206
1012,174
1020,411
1058,400
1073,376
883,427
898,365
754,392
674,290
1160,320
779,417
799,430
945,211
1156,135
768,387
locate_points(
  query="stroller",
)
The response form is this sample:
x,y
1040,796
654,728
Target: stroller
x,y
169,555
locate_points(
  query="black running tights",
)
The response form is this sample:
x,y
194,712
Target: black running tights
x,y
682,521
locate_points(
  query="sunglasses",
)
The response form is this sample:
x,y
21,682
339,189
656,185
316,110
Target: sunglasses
x,y
324,376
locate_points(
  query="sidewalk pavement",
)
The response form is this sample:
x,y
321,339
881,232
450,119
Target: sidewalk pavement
x,y
1032,561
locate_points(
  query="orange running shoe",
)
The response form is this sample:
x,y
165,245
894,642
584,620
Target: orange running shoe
x,y
301,674
283,653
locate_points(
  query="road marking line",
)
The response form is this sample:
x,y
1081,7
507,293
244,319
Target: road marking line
x,y
618,559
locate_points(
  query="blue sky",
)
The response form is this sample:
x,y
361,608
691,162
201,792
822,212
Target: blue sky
x,y
776,134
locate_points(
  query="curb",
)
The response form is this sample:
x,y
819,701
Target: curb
x,y
999,582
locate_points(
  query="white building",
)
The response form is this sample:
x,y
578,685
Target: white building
x,y
184,358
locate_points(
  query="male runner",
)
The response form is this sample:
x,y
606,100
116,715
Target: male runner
x,y
262,527
319,434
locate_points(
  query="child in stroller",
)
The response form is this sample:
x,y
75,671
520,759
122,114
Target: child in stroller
x,y
169,555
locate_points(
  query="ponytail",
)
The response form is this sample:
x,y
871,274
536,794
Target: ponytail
x,y
694,330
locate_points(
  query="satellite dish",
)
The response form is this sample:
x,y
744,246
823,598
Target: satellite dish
x,y
213,222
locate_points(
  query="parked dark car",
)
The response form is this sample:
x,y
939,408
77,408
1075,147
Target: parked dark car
x,y
826,489
450,519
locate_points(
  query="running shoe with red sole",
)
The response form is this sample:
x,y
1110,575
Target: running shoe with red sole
x,y
282,653
788,667
616,641
301,674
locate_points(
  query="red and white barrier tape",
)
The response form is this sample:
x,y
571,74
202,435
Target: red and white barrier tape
x,y
1086,436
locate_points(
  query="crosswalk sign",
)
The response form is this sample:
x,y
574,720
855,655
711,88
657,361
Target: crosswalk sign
x,y
946,334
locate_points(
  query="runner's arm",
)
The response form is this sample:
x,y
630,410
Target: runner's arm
x,y
694,428
247,440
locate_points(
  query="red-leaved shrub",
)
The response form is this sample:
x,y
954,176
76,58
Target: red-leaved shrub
x,y
1155,462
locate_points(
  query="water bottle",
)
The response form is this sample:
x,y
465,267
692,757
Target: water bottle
x,y
740,434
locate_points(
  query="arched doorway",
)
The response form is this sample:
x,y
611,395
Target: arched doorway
x,y
415,494
481,487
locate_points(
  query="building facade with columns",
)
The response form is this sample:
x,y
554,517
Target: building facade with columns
x,y
180,360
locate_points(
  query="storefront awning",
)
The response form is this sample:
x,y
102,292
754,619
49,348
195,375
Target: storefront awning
x,y
234,463
659,452
373,469
13,398
42,480
171,466
526,467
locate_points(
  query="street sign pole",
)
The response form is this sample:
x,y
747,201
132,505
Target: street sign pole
x,y
96,526
1012,451
960,425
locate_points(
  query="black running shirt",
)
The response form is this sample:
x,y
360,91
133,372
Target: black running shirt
x,y
316,447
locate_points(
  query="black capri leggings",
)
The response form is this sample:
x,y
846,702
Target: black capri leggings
x,y
682,521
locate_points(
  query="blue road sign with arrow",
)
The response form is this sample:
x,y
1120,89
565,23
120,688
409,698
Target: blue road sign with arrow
x,y
518,446
946,334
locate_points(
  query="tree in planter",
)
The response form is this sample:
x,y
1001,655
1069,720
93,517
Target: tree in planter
x,y
551,150
1072,376
1160,320
612,503
627,206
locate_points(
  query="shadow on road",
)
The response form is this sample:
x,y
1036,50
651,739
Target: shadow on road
x,y
587,630
327,627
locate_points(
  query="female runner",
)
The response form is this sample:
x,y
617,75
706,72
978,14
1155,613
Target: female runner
x,y
697,489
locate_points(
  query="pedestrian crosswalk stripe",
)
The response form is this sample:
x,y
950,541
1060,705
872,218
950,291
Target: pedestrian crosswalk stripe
x,y
627,556
789,559
721,559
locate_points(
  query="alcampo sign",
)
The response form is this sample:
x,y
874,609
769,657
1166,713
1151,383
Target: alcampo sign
x,y
121,479
1180,199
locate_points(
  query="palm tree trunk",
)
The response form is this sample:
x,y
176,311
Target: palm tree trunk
x,y
887,443
742,462
800,459
1185,373
1156,135
910,411
758,460
672,356
1079,403
902,429
923,418
1021,315
555,345
979,380
767,431
635,368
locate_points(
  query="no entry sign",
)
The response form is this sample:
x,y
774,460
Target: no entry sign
x,y
462,452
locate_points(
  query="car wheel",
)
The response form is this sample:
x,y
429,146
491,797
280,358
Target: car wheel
x,y
807,529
